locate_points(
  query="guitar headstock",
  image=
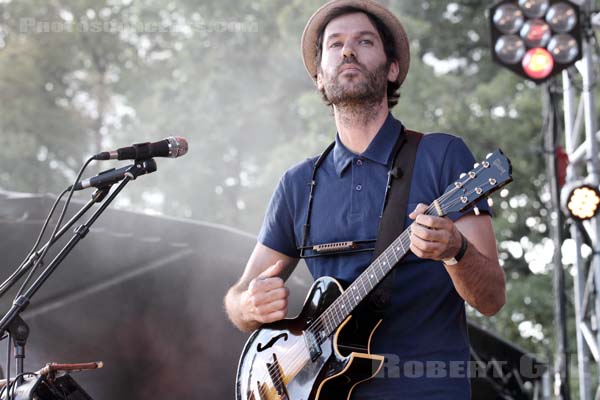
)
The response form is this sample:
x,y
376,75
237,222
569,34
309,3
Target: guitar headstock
x,y
485,178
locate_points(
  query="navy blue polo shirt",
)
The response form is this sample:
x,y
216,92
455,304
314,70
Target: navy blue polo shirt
x,y
424,334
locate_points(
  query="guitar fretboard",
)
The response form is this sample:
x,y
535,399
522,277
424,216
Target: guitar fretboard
x,y
339,310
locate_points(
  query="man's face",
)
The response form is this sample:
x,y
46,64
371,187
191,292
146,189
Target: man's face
x,y
353,67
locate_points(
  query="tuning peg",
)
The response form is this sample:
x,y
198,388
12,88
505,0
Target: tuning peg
x,y
490,202
476,210
462,175
488,155
476,165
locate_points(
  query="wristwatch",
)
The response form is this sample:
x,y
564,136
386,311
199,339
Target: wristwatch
x,y
461,252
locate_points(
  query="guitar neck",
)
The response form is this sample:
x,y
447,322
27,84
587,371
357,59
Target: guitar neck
x,y
339,310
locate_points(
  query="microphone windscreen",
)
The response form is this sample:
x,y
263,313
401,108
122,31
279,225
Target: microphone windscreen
x,y
179,145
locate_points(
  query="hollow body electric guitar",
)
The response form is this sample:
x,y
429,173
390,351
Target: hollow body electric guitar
x,y
323,353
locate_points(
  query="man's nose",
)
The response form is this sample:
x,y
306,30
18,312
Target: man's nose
x,y
348,50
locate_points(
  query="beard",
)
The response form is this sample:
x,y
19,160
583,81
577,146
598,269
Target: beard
x,y
354,91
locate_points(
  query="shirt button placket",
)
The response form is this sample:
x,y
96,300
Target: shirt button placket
x,y
359,163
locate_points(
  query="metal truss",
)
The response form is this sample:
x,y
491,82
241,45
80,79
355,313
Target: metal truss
x,y
582,144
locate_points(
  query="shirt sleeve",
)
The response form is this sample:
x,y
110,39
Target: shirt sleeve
x,y
457,160
277,231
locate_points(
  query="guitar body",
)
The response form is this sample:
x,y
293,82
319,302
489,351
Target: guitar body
x,y
283,360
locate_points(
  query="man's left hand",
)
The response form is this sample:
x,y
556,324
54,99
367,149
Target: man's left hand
x,y
436,238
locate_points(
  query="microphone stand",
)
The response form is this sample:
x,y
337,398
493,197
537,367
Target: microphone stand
x,y
12,322
97,197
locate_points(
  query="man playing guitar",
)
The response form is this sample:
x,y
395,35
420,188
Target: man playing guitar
x,y
357,53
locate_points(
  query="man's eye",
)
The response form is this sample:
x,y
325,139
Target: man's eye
x,y
366,41
335,44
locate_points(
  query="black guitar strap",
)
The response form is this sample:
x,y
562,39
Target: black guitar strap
x,y
392,221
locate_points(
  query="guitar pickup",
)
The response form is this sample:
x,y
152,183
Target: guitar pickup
x,y
312,343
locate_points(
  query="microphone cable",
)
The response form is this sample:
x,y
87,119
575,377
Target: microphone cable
x,y
56,229
4,286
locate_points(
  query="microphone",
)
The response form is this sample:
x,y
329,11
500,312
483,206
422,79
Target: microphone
x,y
173,146
111,176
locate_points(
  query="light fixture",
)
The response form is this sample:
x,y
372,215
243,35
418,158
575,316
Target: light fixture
x,y
580,200
535,38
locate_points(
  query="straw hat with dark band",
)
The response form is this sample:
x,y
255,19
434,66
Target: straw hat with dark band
x,y
315,24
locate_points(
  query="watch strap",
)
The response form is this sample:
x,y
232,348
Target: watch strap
x,y
461,252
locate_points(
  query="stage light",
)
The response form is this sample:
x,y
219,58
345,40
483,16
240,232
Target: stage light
x,y
563,48
535,38
581,201
508,18
561,17
510,49
534,8
538,63
536,33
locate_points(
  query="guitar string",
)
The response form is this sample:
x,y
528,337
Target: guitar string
x,y
318,324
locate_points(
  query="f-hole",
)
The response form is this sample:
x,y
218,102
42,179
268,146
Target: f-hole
x,y
271,342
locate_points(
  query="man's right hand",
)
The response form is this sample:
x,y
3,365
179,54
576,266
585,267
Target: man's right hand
x,y
266,299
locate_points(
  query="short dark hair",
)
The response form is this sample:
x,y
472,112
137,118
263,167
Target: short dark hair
x,y
387,39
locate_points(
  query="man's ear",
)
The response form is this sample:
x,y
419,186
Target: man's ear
x,y
394,71
320,84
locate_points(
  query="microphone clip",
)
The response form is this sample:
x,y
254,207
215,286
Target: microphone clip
x,y
141,167
396,172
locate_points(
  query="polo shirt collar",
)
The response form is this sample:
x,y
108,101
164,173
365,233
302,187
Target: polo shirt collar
x,y
379,150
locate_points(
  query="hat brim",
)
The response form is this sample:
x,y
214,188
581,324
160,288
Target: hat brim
x,y
316,21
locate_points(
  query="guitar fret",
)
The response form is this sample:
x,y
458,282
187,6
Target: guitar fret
x,y
406,243
327,323
377,273
394,250
364,286
335,320
396,258
380,268
327,320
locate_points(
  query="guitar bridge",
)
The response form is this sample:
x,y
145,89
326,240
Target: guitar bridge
x,y
277,378
312,343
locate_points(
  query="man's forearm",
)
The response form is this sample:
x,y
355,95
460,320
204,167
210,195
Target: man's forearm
x,y
479,280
